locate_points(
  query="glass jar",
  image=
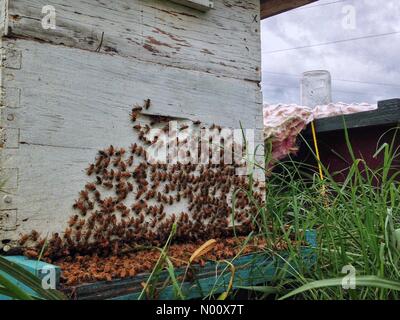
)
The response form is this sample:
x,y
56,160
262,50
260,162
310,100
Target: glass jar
x,y
316,88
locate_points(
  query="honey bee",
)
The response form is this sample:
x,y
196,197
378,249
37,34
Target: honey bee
x,y
141,136
146,129
102,154
134,115
110,150
139,193
78,235
153,222
139,151
117,175
90,169
154,211
34,236
129,186
67,233
84,194
73,220
80,205
147,104
164,198
90,186
137,108
88,234
133,147
81,223
137,207
129,162
122,165
120,152
136,223
90,205
155,139
24,238
108,185
141,218
32,254
150,194
116,161
125,213
99,180
97,195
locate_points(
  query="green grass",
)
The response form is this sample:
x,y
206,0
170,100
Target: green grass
x,y
357,220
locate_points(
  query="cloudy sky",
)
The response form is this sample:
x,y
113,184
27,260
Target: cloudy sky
x,y
365,69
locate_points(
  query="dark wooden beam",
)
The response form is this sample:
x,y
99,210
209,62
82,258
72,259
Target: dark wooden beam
x,y
388,113
270,8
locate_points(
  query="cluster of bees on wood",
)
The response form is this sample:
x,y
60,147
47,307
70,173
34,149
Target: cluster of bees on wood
x,y
132,200
89,268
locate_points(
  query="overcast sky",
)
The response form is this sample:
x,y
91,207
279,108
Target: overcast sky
x,y
364,70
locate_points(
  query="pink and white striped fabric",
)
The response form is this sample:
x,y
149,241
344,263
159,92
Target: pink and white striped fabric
x,y
284,122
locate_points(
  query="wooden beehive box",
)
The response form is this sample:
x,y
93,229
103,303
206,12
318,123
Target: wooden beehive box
x,y
67,92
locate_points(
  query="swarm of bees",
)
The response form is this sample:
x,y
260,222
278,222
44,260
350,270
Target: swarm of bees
x,y
90,268
130,200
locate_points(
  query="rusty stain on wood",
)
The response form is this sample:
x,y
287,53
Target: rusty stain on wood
x,y
137,21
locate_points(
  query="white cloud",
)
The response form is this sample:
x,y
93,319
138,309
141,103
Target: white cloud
x,y
374,60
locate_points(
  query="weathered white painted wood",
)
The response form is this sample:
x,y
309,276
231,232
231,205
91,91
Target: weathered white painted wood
x,y
3,16
60,105
224,41
75,98
48,180
203,5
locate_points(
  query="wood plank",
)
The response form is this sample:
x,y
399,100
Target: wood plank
x,y
224,41
3,16
388,112
271,8
64,93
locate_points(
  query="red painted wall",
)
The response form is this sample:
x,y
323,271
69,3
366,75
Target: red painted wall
x,y
365,142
